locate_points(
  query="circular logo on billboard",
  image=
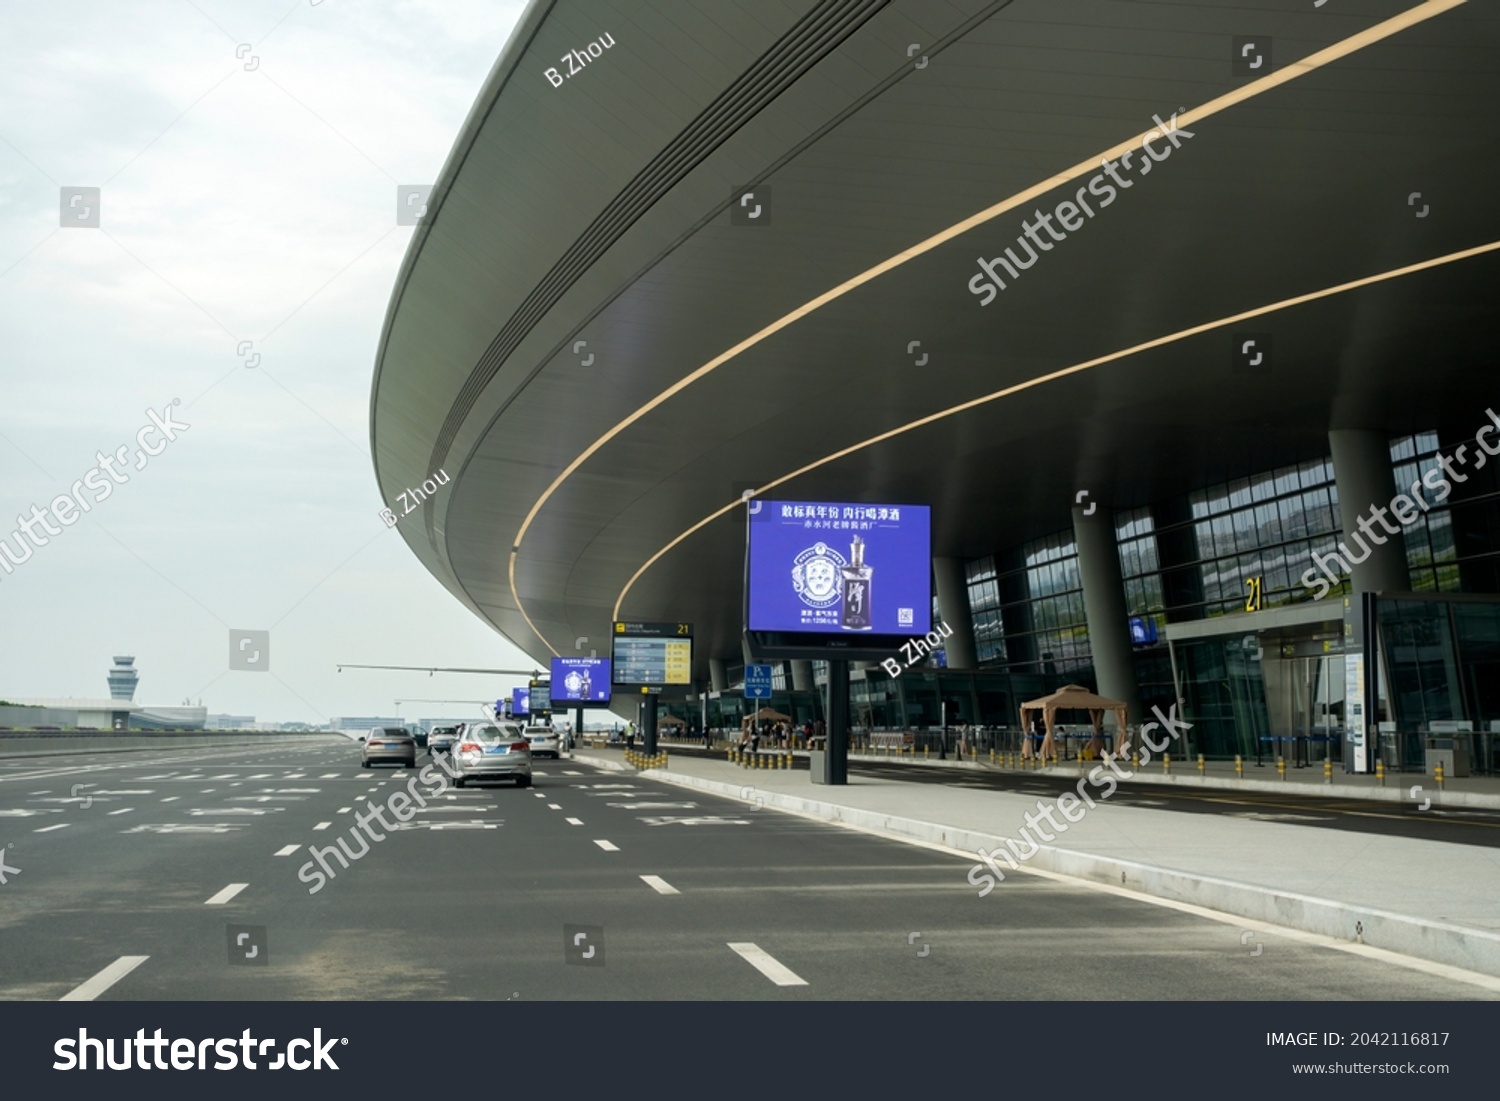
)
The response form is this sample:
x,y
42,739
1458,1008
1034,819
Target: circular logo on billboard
x,y
573,683
815,575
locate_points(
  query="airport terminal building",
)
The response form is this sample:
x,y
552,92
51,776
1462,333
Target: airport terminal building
x,y
1178,319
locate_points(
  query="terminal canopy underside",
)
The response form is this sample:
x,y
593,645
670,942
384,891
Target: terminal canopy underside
x,y
632,299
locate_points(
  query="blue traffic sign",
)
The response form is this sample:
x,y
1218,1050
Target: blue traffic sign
x,y
757,682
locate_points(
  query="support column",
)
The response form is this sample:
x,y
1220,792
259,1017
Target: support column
x,y
802,676
1104,606
648,722
1366,485
718,676
953,607
836,759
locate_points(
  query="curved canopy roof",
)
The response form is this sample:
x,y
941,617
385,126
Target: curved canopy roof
x,y
603,349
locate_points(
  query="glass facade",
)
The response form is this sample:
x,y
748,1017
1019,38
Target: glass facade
x,y
1240,547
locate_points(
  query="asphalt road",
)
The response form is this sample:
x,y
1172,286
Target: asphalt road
x,y
682,896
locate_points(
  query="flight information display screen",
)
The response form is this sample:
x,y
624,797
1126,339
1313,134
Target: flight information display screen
x,y
653,653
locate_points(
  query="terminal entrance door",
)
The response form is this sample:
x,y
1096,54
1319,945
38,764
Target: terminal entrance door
x,y
1304,700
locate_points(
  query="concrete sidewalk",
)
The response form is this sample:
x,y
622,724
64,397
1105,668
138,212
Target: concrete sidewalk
x,y
1432,900
1394,787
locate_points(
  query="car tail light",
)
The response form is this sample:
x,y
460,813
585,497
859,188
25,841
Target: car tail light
x,y
520,745
470,747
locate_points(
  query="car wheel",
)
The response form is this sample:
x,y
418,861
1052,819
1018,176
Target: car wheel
x,y
458,781
523,781
364,764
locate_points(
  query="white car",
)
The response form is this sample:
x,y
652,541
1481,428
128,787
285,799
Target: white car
x,y
544,740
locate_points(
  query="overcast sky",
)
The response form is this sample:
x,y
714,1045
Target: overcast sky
x,y
248,193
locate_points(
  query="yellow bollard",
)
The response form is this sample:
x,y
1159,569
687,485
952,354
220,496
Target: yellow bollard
x,y
1166,764
924,752
1380,772
1202,767
1281,767
992,756
1239,767
1437,774
1328,770
1135,759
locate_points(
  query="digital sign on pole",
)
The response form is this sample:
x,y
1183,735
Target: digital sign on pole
x,y
520,703
580,681
647,654
820,567
541,697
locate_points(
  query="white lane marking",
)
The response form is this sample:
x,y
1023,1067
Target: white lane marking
x,y
122,810
575,821
554,806
295,776
661,886
767,964
606,846
91,989
259,776
329,776
287,850
171,798
345,810
49,829
322,825
226,894
225,776
538,795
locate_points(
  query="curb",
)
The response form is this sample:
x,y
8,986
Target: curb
x,y
1398,792
1440,942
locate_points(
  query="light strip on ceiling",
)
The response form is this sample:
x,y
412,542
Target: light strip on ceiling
x,y
1053,376
1341,49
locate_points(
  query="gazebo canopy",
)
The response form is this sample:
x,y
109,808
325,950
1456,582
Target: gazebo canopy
x,y
766,715
1073,697
670,720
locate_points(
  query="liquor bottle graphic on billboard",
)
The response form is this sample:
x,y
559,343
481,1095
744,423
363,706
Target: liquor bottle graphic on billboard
x,y
854,615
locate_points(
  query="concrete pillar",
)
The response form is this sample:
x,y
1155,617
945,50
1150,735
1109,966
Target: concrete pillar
x,y
836,757
1362,472
802,676
718,676
1104,606
745,651
953,607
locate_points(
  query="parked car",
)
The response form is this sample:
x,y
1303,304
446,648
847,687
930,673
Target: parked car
x,y
544,741
492,751
389,743
441,739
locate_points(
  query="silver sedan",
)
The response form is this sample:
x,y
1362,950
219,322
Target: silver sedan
x,y
486,751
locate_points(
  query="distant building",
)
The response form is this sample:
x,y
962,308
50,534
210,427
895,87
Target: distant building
x,y
364,722
123,678
231,722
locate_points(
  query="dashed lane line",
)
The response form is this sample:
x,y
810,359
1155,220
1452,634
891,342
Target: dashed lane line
x,y
767,964
660,885
607,846
92,988
226,894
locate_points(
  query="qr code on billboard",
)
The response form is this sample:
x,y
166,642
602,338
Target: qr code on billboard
x,y
904,617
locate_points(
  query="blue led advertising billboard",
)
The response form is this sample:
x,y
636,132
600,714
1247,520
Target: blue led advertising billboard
x,y
819,567
580,680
